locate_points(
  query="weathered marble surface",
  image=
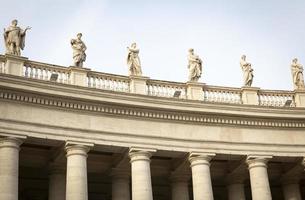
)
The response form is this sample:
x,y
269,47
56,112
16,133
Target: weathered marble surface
x,y
79,48
133,61
194,66
14,38
297,74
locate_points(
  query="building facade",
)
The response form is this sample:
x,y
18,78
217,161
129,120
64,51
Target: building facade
x,y
76,134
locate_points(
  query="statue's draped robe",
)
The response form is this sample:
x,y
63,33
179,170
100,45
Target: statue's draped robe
x,y
133,62
248,72
15,36
79,48
195,67
297,75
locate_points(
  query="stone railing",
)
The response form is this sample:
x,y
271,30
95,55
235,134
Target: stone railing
x,y
20,66
276,98
44,71
166,89
108,81
222,94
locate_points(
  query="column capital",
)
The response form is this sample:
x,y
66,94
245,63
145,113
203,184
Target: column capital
x,y
257,160
12,142
136,153
198,158
77,148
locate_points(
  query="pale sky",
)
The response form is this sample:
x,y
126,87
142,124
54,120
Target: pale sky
x,y
269,32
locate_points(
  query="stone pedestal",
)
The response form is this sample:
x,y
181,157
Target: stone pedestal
x,y
249,95
14,64
299,98
57,182
138,84
9,168
120,184
76,180
194,90
78,76
202,184
179,184
236,191
260,188
140,173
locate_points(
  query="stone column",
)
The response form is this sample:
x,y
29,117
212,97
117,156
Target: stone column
x,y
291,188
57,183
236,191
260,188
120,184
179,183
9,168
202,184
140,173
76,181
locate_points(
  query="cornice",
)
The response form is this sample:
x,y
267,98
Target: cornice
x,y
81,99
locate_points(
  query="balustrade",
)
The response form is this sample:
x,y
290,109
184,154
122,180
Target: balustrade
x,y
119,83
166,89
222,95
276,98
44,71
108,81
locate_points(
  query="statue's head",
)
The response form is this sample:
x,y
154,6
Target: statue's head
x,y
295,60
191,50
79,35
15,22
243,57
134,45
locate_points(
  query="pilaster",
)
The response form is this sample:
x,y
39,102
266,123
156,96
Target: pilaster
x,y
194,90
249,95
78,76
138,84
14,64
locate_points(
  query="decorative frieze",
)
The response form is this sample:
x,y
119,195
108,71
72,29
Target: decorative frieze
x,y
148,113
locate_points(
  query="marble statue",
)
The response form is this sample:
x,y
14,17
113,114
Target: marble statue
x,y
14,38
79,48
194,66
248,71
297,74
133,61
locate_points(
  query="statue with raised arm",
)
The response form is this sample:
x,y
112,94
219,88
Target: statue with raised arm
x,y
133,61
297,74
79,48
248,71
14,38
194,66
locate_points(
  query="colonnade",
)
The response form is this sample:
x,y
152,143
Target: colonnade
x,y
72,185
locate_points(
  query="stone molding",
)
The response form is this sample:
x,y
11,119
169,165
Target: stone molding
x,y
136,154
257,161
197,158
147,114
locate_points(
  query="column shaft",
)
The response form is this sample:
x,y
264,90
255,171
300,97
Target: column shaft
x,y
236,191
202,184
140,175
180,189
76,180
120,186
57,184
259,178
9,168
292,191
